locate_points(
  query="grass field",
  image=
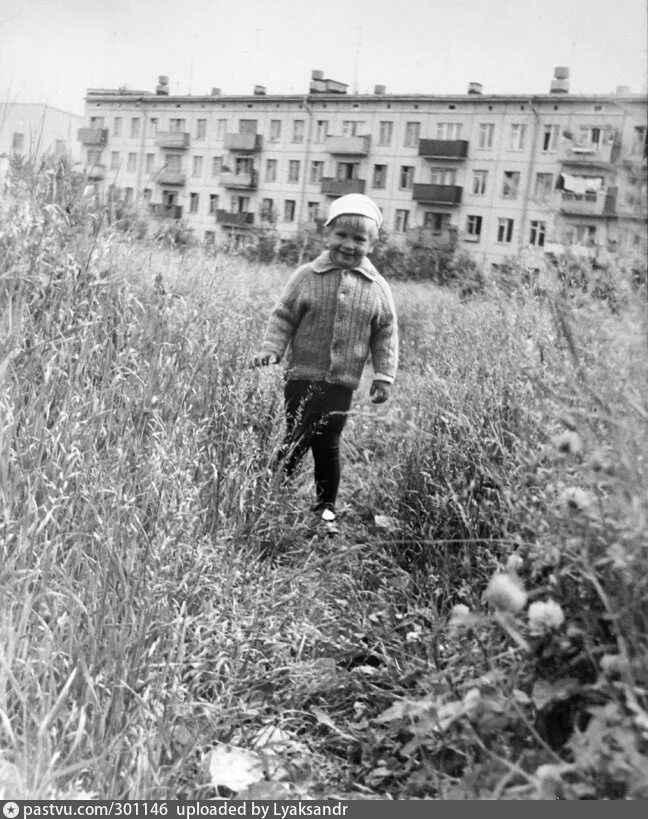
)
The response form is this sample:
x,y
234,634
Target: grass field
x,y
166,600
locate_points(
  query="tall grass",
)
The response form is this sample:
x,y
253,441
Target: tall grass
x,y
163,591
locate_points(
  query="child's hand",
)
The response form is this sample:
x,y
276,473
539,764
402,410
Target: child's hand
x,y
380,391
263,359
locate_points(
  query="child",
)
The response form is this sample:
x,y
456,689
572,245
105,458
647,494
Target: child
x,y
332,314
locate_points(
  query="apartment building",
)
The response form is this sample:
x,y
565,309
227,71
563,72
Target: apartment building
x,y
500,175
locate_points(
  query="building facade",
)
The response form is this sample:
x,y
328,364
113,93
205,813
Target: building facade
x,y
32,130
501,176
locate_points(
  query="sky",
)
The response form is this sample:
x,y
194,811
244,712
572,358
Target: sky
x,y
51,51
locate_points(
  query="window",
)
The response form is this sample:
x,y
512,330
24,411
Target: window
x,y
386,130
114,160
146,194
96,122
352,127
511,184
293,170
173,162
379,176
486,135
517,136
474,227
132,162
221,128
149,163
128,196
298,130
289,210
213,203
244,164
321,130
201,129
193,202
583,235
275,130
537,236
590,137
247,126
210,237
412,134
448,130
153,126
317,171
479,182
18,143
197,168
94,157
271,170
267,209
313,211
543,185
436,222
135,127
347,170
176,125
639,140
217,165
117,126
505,230
443,176
550,134
400,220
406,177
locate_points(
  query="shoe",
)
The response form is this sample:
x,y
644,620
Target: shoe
x,y
328,512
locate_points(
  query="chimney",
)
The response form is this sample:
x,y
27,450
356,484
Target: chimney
x,y
560,82
475,88
215,92
379,89
317,75
259,90
162,88
622,91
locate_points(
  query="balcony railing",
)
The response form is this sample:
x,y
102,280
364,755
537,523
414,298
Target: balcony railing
x,y
351,145
237,219
96,171
172,139
246,181
249,143
93,136
455,149
166,176
599,203
166,211
338,187
588,156
437,194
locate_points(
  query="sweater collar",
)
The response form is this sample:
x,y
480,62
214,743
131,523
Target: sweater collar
x,y
324,264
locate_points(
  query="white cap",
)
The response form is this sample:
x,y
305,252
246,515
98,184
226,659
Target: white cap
x,y
357,204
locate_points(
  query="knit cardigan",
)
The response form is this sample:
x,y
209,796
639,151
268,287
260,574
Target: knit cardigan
x,y
329,320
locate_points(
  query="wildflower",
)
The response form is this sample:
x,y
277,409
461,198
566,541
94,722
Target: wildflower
x,y
612,664
568,442
514,564
575,499
471,701
544,616
459,615
506,593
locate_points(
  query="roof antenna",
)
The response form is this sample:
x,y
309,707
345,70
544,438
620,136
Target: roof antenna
x,y
357,59
191,68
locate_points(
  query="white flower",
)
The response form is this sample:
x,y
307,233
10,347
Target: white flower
x,y
471,701
575,499
568,442
514,564
544,616
612,664
459,615
506,593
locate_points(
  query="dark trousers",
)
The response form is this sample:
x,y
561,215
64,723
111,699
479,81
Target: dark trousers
x,y
316,413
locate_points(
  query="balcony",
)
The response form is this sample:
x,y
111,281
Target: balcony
x,y
241,219
244,181
93,136
172,139
588,204
96,171
599,157
351,145
437,194
452,149
248,143
166,211
338,187
166,176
